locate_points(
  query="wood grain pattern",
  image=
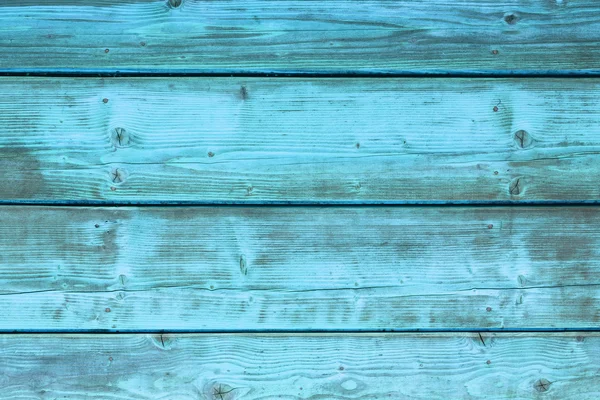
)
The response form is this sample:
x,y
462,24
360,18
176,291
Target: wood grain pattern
x,y
252,140
298,268
250,367
340,36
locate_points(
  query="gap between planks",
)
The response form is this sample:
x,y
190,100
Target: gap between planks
x,y
158,73
321,204
288,332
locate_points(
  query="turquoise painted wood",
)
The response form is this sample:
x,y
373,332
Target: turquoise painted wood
x,y
256,140
299,268
336,36
387,162
452,366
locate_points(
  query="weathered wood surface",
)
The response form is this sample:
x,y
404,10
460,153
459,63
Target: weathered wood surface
x,y
300,140
228,367
298,268
308,36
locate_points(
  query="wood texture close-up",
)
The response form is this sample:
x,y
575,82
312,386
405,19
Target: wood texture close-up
x,y
309,200
298,268
254,140
450,366
339,36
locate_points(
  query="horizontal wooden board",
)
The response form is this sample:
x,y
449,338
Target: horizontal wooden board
x,y
298,268
252,140
250,367
309,36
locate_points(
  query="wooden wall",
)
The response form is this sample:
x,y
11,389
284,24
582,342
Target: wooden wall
x,y
299,200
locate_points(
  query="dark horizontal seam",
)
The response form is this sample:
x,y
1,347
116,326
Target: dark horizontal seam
x,y
388,331
143,72
305,203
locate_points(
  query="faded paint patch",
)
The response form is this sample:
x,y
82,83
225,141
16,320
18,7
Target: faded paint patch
x,y
21,177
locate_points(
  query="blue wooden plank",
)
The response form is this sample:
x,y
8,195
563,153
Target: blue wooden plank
x,y
338,36
251,367
298,268
298,141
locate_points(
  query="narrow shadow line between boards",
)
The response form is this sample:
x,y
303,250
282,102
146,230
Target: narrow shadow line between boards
x,y
293,332
266,203
156,73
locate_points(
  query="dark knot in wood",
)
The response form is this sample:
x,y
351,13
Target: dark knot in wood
x,y
515,188
542,385
523,139
511,19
